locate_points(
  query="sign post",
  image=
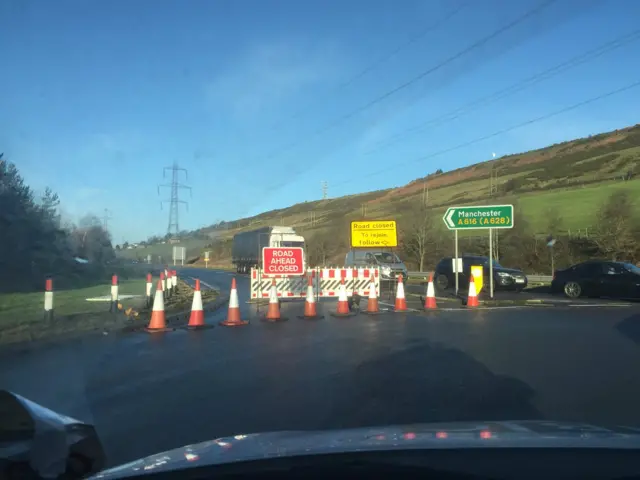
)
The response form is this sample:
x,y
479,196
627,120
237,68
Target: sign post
x,y
455,232
476,218
283,261
550,243
206,259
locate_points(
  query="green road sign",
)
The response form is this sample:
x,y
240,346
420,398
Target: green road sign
x,y
485,216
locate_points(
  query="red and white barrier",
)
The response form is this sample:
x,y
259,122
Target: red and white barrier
x,y
325,281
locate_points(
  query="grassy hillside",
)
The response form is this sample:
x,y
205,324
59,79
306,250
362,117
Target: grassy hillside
x,y
571,179
162,253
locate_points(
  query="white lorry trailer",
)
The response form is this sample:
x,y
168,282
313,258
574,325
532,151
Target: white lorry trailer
x,y
246,251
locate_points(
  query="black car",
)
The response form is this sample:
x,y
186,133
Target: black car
x,y
598,278
503,278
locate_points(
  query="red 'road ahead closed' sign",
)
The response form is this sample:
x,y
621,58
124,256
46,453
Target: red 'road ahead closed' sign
x,y
283,261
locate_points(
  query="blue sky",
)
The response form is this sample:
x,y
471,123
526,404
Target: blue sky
x,y
261,100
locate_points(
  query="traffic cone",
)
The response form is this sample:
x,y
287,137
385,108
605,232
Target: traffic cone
x,y
158,322
401,302
196,319
472,299
430,301
310,311
372,303
273,311
342,309
233,315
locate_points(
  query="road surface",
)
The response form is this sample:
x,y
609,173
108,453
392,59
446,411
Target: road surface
x,y
149,393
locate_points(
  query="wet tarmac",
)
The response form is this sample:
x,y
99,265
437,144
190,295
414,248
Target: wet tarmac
x,y
147,393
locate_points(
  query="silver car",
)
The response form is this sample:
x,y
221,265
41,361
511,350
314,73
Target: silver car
x,y
390,265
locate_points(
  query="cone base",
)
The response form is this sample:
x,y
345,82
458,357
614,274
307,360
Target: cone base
x,y
233,323
373,313
274,320
343,315
158,330
313,317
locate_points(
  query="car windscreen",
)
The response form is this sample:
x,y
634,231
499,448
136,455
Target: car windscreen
x,y
385,257
484,261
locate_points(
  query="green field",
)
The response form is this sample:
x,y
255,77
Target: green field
x,y
27,308
576,206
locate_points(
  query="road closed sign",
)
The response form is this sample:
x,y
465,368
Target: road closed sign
x,y
380,233
283,261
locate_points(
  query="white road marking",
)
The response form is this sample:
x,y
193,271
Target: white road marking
x,y
393,306
599,304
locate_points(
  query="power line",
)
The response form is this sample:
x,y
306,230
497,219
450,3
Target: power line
x,y
605,48
514,88
422,75
380,60
174,201
294,171
506,130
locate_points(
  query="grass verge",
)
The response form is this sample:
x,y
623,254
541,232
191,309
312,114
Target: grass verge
x,y
21,315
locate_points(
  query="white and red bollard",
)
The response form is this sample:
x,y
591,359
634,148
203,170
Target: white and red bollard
x,y
114,294
149,287
48,300
174,280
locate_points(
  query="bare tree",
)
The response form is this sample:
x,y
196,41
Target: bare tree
x,y
420,238
319,248
616,228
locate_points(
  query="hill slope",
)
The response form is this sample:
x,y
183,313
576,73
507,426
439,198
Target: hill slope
x,y
571,180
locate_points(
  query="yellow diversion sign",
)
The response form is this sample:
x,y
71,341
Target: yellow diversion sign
x,y
376,233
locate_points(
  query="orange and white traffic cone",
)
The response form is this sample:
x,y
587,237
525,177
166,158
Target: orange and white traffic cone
x,y
158,322
472,299
430,301
233,315
196,319
372,303
273,310
342,309
401,301
310,310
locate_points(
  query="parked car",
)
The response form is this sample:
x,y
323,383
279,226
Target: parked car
x,y
389,263
503,278
598,278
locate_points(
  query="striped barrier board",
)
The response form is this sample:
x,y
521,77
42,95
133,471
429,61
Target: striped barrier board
x,y
326,282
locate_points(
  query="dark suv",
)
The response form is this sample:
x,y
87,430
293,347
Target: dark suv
x,y
503,278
